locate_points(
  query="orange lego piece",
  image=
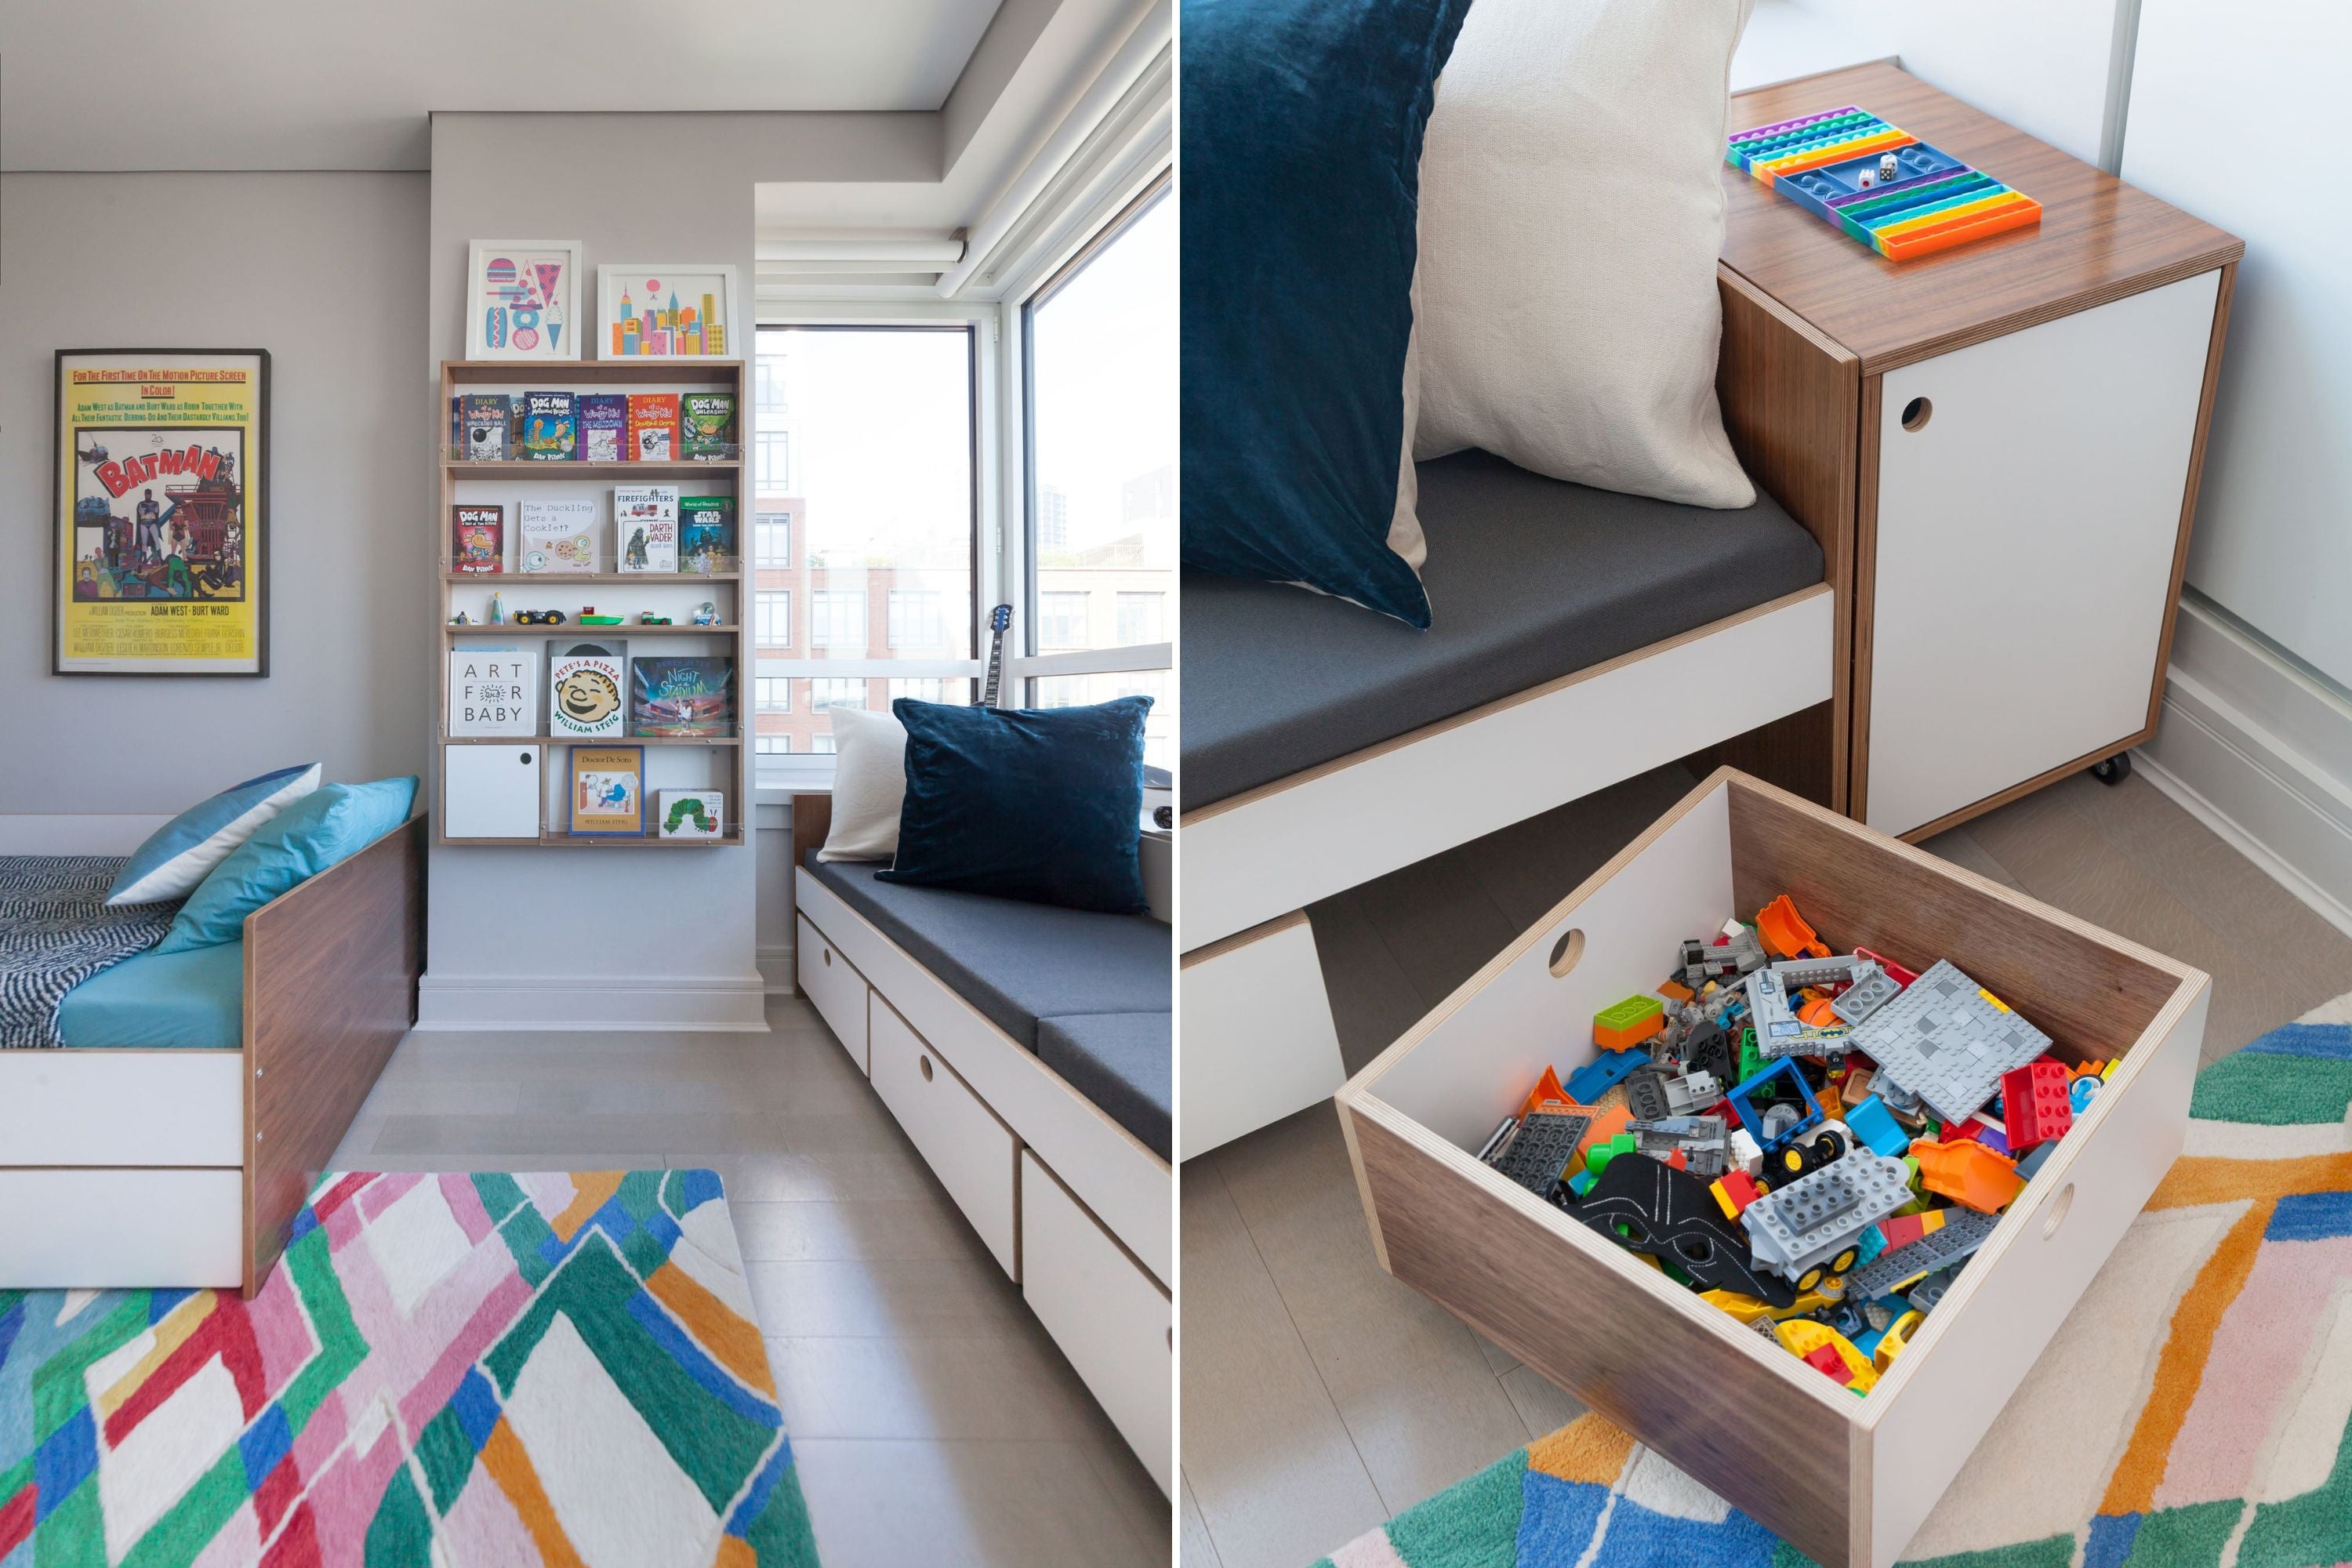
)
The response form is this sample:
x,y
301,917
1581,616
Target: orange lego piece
x,y
1785,933
1606,1124
1547,1090
1819,1014
1613,1039
1674,990
1734,1190
1968,1172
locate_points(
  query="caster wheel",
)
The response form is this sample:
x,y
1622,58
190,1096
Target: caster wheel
x,y
2114,770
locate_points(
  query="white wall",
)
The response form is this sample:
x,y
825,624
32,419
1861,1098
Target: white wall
x,y
326,271
570,937
2041,65
2222,100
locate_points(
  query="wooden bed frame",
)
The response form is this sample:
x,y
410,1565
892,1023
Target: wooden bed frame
x,y
128,1167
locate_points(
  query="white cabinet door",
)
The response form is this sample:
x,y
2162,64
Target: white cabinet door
x,y
490,792
2026,530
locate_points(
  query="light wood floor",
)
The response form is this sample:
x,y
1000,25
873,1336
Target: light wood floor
x,y
932,1418
1319,1395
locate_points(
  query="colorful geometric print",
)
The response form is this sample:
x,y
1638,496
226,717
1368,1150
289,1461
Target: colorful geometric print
x,y
2212,1356
447,1370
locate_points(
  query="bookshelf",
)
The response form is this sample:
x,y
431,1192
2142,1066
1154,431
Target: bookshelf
x,y
717,762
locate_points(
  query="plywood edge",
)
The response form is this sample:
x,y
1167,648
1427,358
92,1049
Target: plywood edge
x,y
1241,939
1502,704
1358,1089
1363,1186
1728,276
2225,289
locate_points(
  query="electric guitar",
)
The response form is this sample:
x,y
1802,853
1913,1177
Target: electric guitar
x,y
999,619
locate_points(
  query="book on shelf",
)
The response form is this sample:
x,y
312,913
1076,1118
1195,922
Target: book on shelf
x,y
687,695
477,538
653,426
707,424
549,427
604,421
557,535
706,532
493,691
691,812
585,693
608,789
645,527
486,425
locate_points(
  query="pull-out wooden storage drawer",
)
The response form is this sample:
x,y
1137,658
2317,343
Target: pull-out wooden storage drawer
x,y
1110,1317
1845,1479
839,992
969,1150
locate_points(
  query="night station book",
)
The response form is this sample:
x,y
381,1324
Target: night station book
x,y
557,535
693,695
604,427
549,427
653,426
645,527
478,539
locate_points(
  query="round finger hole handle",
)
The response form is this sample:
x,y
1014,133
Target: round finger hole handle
x,y
1916,413
1567,952
2058,1207
925,1064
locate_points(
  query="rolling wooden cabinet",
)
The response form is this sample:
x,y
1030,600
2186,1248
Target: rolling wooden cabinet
x,y
2006,437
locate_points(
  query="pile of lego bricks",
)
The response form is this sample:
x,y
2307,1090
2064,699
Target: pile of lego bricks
x,y
1816,1142
1879,184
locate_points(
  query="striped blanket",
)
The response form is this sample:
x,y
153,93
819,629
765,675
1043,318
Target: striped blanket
x,y
55,931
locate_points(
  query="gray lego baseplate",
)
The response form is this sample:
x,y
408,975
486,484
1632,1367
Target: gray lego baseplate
x,y
1778,1031
1792,1228
1946,1043
1963,1231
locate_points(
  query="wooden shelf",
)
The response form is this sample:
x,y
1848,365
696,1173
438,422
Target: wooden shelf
x,y
561,372
573,628
475,469
659,579
591,740
734,836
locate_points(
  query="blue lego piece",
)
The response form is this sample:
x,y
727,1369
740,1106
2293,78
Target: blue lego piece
x,y
2081,1092
2035,1158
1753,1119
1874,1242
1581,1183
1604,1072
1877,1127
1867,1340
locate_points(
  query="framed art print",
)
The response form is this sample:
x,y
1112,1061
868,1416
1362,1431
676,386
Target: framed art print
x,y
608,791
666,311
160,524
522,300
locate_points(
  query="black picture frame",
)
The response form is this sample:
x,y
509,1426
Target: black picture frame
x,y
256,519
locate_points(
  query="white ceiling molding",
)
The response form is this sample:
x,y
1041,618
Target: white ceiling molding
x,y
881,266
1127,104
874,248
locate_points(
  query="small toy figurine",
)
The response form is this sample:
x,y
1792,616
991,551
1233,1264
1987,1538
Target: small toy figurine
x,y
706,614
461,619
497,609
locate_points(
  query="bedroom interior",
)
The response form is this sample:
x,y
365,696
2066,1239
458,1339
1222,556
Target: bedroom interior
x,y
1809,506
447,1114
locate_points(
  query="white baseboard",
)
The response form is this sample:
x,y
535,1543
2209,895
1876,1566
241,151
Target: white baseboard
x,y
777,969
83,834
2240,748
496,1002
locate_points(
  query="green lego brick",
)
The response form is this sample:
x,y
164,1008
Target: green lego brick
x,y
1630,1014
1751,1060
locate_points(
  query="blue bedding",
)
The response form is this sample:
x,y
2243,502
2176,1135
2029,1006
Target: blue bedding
x,y
193,999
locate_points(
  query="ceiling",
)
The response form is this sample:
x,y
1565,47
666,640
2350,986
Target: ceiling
x,y
302,84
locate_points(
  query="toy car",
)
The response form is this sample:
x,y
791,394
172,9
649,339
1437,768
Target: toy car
x,y
538,617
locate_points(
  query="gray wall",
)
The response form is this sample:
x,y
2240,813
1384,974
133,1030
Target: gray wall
x,y
326,271
572,936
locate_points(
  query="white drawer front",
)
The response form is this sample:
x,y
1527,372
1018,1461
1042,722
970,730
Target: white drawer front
x,y
1259,1042
2025,548
121,1229
121,1108
839,992
959,1137
1108,1316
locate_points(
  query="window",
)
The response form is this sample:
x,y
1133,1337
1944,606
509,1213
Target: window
x,y
1061,620
837,619
1139,619
775,745
776,539
774,610
821,745
933,688
837,693
915,618
773,470
775,694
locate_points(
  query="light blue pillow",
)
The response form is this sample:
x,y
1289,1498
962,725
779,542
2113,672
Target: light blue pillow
x,y
177,855
331,823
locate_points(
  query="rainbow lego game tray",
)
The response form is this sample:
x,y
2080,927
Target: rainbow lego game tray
x,y
1880,184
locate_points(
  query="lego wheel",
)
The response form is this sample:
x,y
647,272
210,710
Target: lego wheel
x,y
2112,770
1794,1161
1843,1260
1808,1280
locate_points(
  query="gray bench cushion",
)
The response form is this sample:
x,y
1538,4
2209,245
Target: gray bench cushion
x,y
1530,579
1122,1061
1017,962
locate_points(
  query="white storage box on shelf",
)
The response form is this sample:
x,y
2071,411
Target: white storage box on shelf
x,y
1845,1479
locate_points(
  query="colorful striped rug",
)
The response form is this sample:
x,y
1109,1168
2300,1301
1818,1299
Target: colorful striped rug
x,y
2193,1409
444,1372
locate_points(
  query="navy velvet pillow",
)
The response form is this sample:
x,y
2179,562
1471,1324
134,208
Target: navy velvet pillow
x,y
1042,804
1303,123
